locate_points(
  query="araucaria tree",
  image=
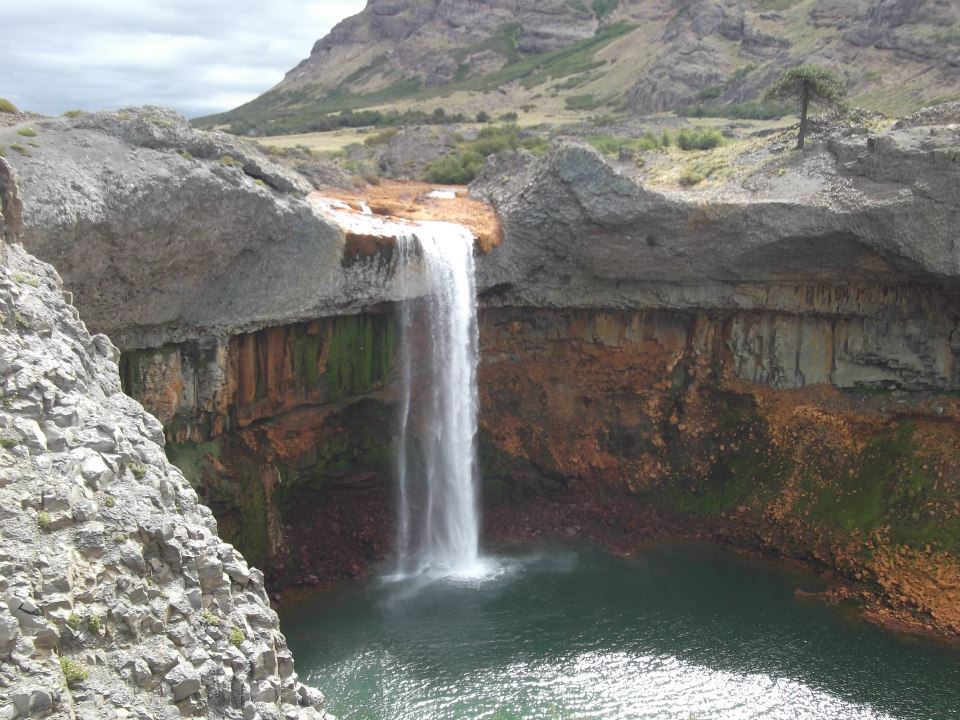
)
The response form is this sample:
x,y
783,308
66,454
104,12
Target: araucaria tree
x,y
807,84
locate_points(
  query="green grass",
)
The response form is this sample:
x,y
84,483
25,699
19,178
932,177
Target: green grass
x,y
27,132
237,637
7,107
20,149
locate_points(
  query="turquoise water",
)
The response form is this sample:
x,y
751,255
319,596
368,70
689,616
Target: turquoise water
x,y
678,632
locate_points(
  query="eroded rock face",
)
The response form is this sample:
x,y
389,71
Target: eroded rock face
x,y
165,234
107,559
419,35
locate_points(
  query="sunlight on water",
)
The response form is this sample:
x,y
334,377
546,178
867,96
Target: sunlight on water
x,y
680,632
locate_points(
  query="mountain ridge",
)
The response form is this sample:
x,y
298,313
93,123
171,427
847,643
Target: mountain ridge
x,y
641,56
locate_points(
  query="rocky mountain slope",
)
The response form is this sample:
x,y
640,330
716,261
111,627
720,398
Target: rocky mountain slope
x,y
642,55
119,600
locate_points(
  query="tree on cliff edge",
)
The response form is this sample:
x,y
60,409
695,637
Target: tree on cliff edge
x,y
807,84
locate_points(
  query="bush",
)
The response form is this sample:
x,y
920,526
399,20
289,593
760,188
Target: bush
x,y
455,169
739,111
464,164
581,102
73,113
74,672
27,132
509,117
7,107
43,521
95,624
229,161
699,139
237,637
483,117
381,138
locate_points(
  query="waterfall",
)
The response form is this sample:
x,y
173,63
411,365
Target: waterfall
x,y
438,527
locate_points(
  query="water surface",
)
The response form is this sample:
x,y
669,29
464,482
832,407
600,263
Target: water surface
x,y
678,632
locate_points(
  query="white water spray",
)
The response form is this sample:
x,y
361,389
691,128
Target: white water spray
x,y
438,526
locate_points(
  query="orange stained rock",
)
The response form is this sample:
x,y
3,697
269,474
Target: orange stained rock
x,y
409,200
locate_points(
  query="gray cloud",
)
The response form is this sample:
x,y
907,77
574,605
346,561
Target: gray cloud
x,y
197,57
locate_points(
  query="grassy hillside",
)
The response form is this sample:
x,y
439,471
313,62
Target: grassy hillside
x,y
693,57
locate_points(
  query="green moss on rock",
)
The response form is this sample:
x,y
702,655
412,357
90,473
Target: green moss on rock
x,y
361,353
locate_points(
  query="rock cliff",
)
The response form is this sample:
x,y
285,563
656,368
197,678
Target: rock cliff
x,y
117,597
166,233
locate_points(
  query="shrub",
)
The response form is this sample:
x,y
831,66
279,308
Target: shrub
x,y
110,501
237,637
483,116
73,113
581,102
27,132
689,176
94,624
74,672
209,618
44,521
74,621
138,469
739,111
455,169
602,8
699,139
381,138
7,107
509,117
229,160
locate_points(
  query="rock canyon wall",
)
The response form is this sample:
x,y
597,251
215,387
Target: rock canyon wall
x,y
772,362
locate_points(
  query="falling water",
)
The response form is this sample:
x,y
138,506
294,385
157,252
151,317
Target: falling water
x,y
438,527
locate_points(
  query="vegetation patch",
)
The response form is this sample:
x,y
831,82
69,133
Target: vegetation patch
x,y
27,132
738,111
74,671
361,353
7,107
463,164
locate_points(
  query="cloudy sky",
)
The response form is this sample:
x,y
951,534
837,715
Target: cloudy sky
x,y
198,56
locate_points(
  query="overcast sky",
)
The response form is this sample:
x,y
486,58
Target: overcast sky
x,y
197,56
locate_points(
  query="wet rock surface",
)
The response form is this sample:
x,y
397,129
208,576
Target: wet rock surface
x,y
117,597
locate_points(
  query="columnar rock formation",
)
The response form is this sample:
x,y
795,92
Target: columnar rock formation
x,y
117,597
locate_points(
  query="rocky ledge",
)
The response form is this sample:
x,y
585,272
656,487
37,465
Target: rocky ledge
x,y
117,597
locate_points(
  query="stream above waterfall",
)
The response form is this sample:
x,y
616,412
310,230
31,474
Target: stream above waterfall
x,y
676,632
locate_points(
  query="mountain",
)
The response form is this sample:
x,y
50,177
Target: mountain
x,y
644,56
